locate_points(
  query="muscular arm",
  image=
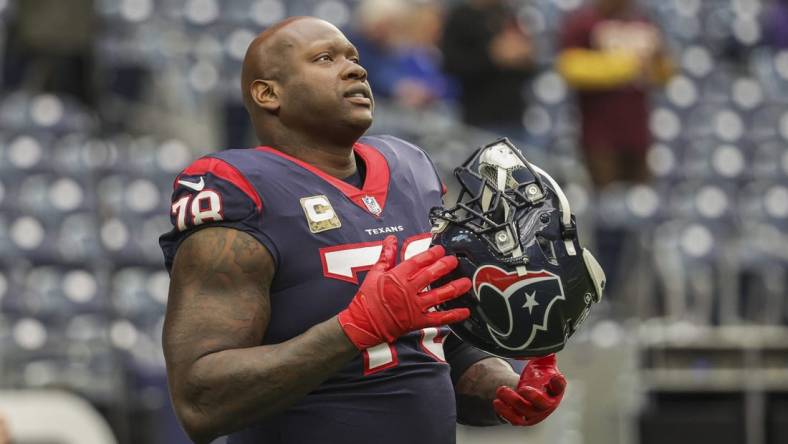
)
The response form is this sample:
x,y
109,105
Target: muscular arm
x,y
475,391
220,378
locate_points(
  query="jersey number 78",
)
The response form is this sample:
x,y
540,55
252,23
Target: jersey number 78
x,y
344,262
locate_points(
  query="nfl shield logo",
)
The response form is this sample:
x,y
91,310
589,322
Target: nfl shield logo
x,y
372,205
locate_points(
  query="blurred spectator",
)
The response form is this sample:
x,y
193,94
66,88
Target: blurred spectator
x,y
612,54
397,41
5,434
489,52
376,36
422,80
49,48
776,24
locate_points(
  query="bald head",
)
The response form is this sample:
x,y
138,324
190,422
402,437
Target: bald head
x,y
266,55
263,57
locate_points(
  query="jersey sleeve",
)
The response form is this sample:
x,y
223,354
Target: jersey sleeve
x,y
461,356
213,193
426,157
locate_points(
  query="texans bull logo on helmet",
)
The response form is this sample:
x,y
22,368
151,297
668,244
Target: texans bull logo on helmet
x,y
513,233
501,294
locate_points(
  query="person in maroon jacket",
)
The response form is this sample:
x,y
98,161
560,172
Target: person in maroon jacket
x,y
613,55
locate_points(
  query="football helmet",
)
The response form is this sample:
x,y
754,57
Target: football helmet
x,y
515,237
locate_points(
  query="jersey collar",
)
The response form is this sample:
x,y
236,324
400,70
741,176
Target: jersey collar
x,y
372,196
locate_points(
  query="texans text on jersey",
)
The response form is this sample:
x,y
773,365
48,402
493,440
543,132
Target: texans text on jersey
x,y
394,229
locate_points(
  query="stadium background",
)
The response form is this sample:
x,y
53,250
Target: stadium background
x,y
690,345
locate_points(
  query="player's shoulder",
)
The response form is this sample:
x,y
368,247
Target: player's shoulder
x,y
245,162
213,191
395,146
222,172
238,158
389,140
219,159
406,156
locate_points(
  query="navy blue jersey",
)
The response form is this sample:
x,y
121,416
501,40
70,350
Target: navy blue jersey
x,y
324,234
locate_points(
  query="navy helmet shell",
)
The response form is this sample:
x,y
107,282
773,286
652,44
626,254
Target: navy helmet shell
x,y
514,236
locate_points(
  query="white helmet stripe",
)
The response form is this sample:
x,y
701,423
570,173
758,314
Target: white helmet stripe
x,y
566,211
596,272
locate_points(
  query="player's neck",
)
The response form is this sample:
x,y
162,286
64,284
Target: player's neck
x,y
334,159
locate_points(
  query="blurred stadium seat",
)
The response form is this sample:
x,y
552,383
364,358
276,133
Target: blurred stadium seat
x,y
54,416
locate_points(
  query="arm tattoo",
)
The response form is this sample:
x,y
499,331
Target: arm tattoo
x,y
221,378
476,388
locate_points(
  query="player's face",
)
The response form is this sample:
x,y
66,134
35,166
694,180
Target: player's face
x,y
326,86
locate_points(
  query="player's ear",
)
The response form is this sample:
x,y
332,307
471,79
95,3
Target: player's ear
x,y
264,94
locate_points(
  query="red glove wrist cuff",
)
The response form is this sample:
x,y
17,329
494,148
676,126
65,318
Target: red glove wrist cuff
x,y
545,361
360,337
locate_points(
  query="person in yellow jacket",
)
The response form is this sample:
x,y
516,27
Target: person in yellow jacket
x,y
612,55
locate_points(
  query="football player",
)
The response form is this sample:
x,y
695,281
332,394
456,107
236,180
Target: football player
x,y
296,312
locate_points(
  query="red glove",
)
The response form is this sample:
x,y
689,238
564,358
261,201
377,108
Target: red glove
x,y
539,392
390,302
